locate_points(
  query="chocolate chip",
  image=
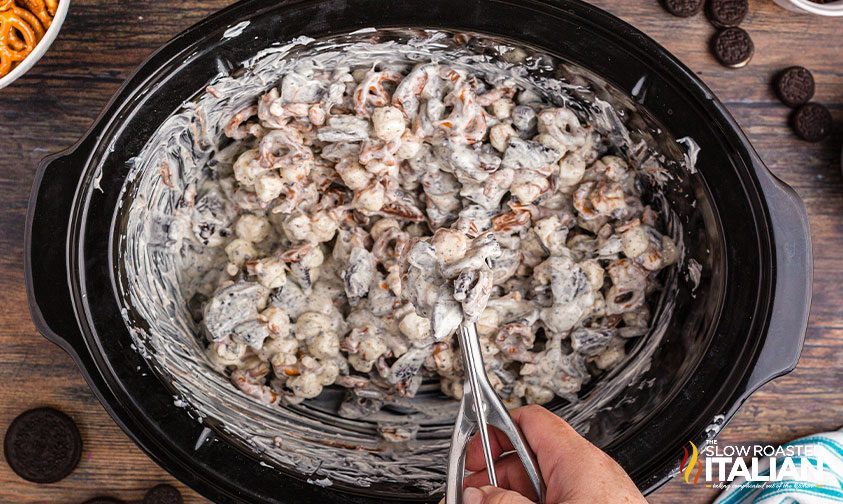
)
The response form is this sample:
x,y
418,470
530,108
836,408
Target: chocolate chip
x,y
727,13
163,494
43,445
795,86
683,8
733,47
812,122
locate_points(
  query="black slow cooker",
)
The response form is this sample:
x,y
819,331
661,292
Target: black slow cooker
x,y
737,326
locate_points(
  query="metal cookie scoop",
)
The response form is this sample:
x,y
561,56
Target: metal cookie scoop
x,y
480,408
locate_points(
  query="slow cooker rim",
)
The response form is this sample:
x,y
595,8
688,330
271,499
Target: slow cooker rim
x,y
733,132
746,174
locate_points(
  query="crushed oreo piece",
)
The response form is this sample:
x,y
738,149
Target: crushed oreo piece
x,y
163,494
795,86
733,47
43,445
812,122
683,8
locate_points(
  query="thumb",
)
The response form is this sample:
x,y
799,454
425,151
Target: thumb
x,y
493,495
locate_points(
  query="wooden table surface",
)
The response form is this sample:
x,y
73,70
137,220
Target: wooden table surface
x,y
103,40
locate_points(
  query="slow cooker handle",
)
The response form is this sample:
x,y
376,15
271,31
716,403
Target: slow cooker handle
x,y
794,276
46,242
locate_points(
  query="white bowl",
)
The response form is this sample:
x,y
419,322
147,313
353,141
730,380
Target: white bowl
x,y
829,9
41,48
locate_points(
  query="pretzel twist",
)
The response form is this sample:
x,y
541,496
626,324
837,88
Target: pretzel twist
x,y
21,28
32,20
20,32
39,9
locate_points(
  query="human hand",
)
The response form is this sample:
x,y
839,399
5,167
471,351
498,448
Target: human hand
x,y
574,470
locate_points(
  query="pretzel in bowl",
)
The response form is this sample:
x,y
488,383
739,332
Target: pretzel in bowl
x,y
21,28
39,9
17,37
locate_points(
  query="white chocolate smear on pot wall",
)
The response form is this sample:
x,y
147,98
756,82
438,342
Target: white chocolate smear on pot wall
x,y
236,30
692,153
165,266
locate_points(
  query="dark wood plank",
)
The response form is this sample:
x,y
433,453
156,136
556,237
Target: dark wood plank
x,y
103,40
46,111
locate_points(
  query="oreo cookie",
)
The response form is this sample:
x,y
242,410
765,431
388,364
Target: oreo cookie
x,y
727,13
43,445
163,494
683,8
795,86
733,47
812,122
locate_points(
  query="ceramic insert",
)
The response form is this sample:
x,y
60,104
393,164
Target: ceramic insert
x,y
207,242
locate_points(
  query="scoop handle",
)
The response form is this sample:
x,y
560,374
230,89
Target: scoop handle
x,y
481,407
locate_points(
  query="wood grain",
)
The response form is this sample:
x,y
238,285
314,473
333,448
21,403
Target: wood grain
x,y
103,40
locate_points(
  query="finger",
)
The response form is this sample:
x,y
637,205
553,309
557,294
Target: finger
x,y
499,442
510,474
568,461
492,495
474,458
549,437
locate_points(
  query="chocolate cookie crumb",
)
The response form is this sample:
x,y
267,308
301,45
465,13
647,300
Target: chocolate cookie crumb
x,y
43,445
683,8
733,47
812,122
795,86
163,494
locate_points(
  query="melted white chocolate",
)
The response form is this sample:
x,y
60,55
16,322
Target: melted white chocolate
x,y
281,217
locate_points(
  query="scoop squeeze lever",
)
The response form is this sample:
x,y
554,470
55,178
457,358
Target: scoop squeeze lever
x,y
481,408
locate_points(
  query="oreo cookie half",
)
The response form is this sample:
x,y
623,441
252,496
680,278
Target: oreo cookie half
x,y
727,13
733,47
683,8
43,445
812,122
163,494
795,86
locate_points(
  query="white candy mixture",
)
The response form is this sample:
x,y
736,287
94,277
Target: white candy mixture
x,y
365,212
